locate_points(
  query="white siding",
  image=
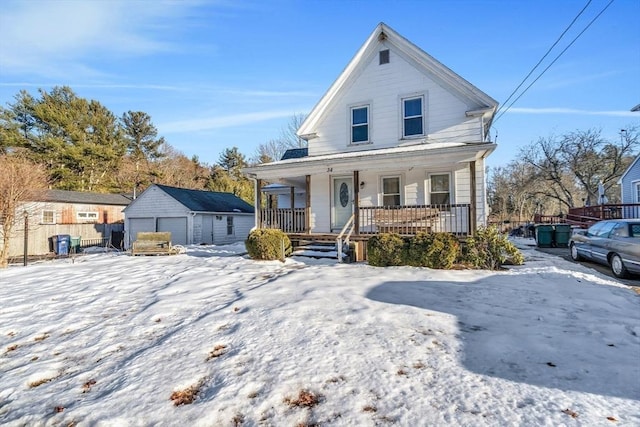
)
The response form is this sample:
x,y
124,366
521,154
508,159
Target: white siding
x,y
320,204
154,203
242,224
383,87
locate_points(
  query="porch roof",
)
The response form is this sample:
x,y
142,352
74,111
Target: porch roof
x,y
398,158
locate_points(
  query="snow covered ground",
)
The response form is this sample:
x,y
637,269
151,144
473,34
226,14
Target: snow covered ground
x,y
213,338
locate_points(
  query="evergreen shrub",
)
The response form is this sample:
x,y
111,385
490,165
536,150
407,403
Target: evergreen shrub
x,y
433,250
489,249
386,249
266,244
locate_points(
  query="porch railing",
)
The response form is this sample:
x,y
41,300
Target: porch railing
x,y
412,219
408,219
587,215
287,220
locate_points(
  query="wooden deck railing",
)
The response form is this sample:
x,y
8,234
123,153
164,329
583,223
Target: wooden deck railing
x,y
287,220
416,218
587,215
384,219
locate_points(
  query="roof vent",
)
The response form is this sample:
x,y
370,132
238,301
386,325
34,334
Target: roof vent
x,y
384,56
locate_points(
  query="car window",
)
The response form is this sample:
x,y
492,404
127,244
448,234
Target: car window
x,y
605,229
635,230
621,229
593,230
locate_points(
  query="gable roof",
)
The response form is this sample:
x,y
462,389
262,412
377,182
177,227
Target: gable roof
x,y
63,196
295,153
386,36
207,201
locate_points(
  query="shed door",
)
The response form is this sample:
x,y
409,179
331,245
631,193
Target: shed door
x,y
140,224
177,227
207,229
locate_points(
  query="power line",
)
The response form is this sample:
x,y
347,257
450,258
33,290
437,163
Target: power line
x,y
544,56
553,62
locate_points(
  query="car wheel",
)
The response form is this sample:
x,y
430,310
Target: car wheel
x,y
617,266
574,253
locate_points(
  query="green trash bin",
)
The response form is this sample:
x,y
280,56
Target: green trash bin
x,y
544,235
561,235
75,244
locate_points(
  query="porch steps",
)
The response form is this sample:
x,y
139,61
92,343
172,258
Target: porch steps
x,y
317,250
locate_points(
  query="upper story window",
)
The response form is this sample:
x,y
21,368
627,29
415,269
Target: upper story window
x,y
413,116
384,56
87,216
440,189
360,124
391,191
48,217
636,192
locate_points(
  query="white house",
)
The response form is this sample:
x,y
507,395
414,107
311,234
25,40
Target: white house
x,y
192,216
398,143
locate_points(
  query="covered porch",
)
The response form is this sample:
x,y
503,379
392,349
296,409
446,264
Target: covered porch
x,y
376,191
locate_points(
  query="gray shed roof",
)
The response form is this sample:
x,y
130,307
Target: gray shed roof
x,y
63,196
207,201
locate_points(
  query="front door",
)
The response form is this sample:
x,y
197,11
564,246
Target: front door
x,y
342,202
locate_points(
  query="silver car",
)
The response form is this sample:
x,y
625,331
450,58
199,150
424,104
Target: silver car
x,y
613,242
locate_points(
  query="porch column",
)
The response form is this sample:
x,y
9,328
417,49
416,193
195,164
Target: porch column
x,y
307,204
258,203
294,229
356,202
473,223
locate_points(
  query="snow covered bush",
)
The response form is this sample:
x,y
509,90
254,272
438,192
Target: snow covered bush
x,y
268,244
433,250
489,249
386,249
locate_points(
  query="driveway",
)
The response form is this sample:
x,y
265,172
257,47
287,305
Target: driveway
x,y
564,253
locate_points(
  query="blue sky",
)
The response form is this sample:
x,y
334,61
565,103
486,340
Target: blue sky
x,y
217,74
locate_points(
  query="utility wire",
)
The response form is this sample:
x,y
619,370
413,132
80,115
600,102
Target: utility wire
x,y
553,62
544,56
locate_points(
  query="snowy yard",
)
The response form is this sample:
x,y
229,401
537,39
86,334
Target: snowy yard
x,y
213,338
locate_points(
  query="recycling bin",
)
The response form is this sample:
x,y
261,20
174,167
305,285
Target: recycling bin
x,y
75,244
62,243
561,235
544,235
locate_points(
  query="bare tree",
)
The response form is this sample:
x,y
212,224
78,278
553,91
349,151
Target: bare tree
x,y
573,165
21,181
273,149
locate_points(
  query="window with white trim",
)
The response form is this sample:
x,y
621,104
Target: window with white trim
x,y
360,124
412,117
48,217
229,225
391,191
440,189
87,216
636,192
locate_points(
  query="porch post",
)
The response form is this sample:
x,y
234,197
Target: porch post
x,y
259,203
356,202
294,229
473,223
307,204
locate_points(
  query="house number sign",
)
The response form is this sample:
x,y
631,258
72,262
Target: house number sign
x,y
344,194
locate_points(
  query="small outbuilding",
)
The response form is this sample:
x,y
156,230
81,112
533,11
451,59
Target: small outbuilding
x,y
192,216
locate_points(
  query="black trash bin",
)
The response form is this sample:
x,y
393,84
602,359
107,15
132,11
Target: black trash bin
x,y
62,244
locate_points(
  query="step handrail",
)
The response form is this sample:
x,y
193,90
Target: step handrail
x,y
348,229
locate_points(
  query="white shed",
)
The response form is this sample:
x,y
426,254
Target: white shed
x,y
192,216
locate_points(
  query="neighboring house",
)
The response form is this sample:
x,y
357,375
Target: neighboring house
x,y
398,143
630,189
89,216
192,216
